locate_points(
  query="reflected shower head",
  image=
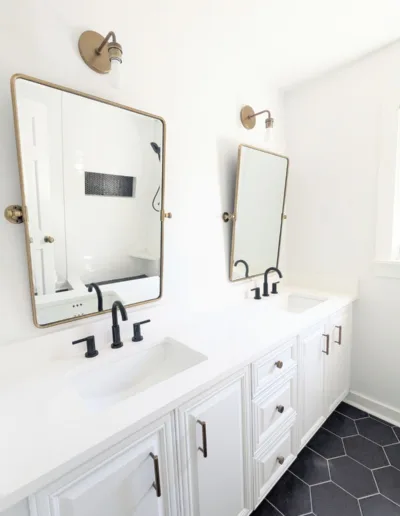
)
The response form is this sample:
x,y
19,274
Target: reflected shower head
x,y
157,149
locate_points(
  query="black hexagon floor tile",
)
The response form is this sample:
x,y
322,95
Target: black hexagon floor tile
x,y
266,509
340,425
326,444
396,430
349,411
366,452
291,496
310,467
388,480
352,477
379,506
376,431
330,500
393,453
380,420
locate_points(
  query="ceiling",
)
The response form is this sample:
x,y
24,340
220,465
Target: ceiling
x,y
310,37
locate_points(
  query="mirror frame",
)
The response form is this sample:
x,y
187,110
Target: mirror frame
x,y
13,81
235,210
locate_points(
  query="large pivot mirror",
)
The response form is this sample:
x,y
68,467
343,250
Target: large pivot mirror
x,y
259,212
92,179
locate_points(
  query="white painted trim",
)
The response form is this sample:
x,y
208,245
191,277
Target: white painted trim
x,y
387,269
374,407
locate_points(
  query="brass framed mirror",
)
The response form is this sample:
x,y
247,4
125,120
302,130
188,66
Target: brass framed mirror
x,y
92,175
259,212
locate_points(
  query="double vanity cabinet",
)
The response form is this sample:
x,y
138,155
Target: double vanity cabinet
x,y
220,452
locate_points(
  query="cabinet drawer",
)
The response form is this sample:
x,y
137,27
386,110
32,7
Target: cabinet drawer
x,y
267,369
267,466
272,409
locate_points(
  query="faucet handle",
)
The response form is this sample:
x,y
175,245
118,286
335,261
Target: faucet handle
x,y
274,287
91,346
137,336
257,291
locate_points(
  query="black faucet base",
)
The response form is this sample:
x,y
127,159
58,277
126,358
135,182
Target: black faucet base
x,y
116,343
91,354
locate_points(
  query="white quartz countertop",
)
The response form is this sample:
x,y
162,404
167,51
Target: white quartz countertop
x,y
46,430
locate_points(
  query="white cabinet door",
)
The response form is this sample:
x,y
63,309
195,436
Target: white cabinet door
x,y
121,482
313,344
337,372
215,451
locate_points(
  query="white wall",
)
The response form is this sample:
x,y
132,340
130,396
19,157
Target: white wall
x,y
183,61
338,130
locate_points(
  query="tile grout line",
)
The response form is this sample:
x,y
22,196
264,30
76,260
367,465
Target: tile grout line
x,y
359,506
276,508
390,500
336,435
338,457
358,462
342,488
370,440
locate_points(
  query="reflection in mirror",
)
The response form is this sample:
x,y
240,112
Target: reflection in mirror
x,y
92,185
259,209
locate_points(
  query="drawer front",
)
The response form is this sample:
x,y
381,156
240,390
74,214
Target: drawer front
x,y
272,409
270,466
273,366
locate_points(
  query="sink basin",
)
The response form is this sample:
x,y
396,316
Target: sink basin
x,y
298,303
129,376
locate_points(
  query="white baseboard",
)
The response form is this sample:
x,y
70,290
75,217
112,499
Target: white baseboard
x,y
385,412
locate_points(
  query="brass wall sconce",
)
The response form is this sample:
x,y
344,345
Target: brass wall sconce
x,y
248,117
98,52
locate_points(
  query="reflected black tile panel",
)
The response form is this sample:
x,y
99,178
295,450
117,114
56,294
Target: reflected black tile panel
x,y
327,444
393,453
352,412
376,431
388,480
368,453
291,496
379,506
310,467
354,478
330,500
396,430
340,425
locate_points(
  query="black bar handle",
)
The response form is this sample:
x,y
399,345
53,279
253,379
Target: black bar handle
x,y
157,482
203,449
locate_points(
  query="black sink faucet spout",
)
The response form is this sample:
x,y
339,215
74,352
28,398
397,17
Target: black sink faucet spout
x,y
271,269
117,305
99,295
245,264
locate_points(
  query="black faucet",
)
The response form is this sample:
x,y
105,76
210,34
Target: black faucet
x,y
99,295
245,264
271,269
117,343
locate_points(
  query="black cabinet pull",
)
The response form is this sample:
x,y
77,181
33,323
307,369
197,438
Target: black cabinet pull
x,y
204,449
157,482
326,335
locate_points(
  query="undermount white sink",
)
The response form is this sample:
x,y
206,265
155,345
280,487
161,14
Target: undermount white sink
x,y
299,303
130,376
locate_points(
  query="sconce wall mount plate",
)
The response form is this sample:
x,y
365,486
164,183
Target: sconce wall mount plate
x,y
247,117
89,41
